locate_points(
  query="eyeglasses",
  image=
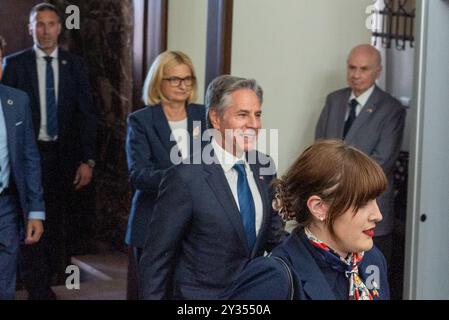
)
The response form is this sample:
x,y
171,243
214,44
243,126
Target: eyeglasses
x,y
176,81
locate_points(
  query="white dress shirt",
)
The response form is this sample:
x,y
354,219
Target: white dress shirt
x,y
41,64
181,136
227,162
361,99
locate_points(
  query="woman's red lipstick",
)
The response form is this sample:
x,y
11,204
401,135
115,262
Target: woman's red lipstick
x,y
369,233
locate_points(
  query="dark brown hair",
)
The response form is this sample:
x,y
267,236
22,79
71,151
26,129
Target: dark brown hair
x,y
342,176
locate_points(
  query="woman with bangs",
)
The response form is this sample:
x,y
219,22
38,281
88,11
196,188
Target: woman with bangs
x,y
160,135
331,190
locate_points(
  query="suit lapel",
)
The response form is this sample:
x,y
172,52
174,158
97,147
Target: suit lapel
x,y
31,68
366,112
312,279
261,187
10,121
342,109
162,128
219,185
64,74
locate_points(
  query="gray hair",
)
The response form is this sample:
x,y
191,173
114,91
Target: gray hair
x,y
220,89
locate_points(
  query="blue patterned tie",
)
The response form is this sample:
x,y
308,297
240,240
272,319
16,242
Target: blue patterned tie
x,y
50,98
351,118
246,203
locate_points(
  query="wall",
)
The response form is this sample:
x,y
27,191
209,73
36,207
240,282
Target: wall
x,y
187,27
14,24
297,50
427,261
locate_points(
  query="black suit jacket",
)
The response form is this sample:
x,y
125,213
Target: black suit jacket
x,y
197,244
76,115
148,147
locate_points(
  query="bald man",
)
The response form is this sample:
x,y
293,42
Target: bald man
x,y
371,120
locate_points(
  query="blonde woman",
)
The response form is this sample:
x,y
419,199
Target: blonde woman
x,y
159,136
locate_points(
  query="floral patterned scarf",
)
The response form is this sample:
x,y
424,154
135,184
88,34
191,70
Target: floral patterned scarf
x,y
350,266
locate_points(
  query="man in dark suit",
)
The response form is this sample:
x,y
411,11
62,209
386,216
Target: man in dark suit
x,y
371,120
65,126
213,215
21,199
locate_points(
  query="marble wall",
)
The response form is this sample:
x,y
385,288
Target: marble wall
x,y
105,41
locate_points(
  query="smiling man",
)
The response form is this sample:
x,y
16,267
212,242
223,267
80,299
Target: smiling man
x,y
373,121
64,120
210,219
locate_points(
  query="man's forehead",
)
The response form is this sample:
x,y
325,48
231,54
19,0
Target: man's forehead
x,y
45,15
362,61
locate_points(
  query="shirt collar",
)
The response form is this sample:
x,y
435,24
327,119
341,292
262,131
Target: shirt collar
x,y
226,159
363,98
41,54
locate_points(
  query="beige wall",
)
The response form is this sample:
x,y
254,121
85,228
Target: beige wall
x,y
297,50
187,26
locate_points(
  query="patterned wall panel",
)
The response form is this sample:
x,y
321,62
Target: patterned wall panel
x,y
105,41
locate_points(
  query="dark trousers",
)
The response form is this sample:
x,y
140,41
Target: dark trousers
x,y
132,289
41,262
9,247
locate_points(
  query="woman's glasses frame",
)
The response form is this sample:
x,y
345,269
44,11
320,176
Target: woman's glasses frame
x,y
176,81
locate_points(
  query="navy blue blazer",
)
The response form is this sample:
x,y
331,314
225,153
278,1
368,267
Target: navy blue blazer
x,y
77,121
23,154
148,148
266,278
197,243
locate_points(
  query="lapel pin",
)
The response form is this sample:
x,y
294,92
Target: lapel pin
x,y
64,61
196,132
261,178
369,110
10,102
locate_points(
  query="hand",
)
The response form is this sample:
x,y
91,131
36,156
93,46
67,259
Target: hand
x,y
83,176
35,229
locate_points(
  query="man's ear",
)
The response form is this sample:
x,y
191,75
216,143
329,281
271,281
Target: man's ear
x,y
317,208
379,71
214,119
59,28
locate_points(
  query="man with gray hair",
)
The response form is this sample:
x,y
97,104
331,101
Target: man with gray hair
x,y
211,218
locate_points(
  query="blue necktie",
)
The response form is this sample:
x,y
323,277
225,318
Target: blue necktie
x,y
246,203
50,98
352,115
